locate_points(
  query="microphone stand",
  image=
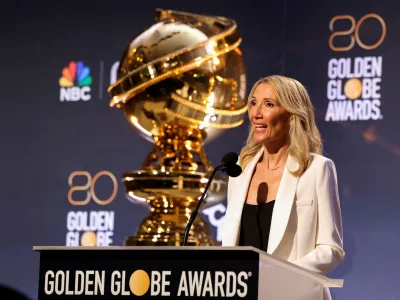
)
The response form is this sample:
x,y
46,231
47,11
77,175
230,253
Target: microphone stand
x,y
220,167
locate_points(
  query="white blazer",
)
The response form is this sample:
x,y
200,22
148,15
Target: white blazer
x,y
306,225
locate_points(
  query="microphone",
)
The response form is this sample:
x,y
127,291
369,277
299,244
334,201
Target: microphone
x,y
234,170
230,158
227,165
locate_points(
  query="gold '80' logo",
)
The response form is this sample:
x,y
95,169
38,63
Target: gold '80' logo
x,y
89,187
354,32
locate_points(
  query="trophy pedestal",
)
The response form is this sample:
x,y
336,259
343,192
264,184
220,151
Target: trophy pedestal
x,y
171,197
168,230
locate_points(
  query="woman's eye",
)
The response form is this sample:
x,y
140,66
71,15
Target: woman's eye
x,y
269,104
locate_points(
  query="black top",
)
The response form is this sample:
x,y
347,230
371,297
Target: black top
x,y
255,225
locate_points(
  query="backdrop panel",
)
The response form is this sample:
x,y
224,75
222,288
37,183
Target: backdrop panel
x,y
61,147
346,53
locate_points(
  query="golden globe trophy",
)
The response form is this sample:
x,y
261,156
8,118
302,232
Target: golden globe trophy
x,y
180,83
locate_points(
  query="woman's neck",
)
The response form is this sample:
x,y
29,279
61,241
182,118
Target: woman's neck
x,y
275,156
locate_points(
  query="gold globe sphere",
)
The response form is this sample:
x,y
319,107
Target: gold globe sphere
x,y
184,70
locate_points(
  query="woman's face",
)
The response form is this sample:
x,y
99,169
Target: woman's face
x,y
269,120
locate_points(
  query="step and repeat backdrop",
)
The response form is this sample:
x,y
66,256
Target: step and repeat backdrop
x,y
64,149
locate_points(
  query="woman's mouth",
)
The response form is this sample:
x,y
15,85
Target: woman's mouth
x,y
259,127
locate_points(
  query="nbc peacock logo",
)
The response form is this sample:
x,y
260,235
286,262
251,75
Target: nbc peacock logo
x,y
75,82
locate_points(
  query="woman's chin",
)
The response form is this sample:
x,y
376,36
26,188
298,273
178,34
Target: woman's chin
x,y
260,139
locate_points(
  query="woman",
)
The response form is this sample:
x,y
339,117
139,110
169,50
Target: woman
x,y
286,200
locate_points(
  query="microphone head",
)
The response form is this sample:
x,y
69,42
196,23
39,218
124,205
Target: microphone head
x,y
230,158
234,170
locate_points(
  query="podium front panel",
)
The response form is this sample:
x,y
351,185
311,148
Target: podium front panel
x,y
279,283
148,274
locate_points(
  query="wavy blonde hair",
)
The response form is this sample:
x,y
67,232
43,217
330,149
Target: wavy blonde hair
x,y
304,136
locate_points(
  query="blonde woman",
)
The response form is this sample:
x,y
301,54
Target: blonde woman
x,y
286,201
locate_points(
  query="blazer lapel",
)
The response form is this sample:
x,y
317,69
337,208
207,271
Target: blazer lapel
x,y
238,196
283,205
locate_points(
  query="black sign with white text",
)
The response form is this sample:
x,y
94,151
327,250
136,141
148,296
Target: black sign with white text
x,y
149,274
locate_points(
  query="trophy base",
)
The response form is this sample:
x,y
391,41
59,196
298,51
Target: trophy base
x,y
171,198
135,241
168,230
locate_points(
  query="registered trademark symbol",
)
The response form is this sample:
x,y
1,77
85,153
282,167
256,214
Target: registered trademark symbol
x,y
249,274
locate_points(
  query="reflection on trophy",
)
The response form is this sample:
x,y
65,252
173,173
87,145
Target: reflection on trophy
x,y
180,83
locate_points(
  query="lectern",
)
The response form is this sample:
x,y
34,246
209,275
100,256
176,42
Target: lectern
x,y
175,273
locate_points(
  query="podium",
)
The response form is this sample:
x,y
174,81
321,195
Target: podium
x,y
174,272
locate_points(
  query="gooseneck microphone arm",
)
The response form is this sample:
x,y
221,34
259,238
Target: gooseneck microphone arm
x,y
227,165
196,210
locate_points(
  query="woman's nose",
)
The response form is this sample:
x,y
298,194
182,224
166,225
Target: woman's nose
x,y
257,113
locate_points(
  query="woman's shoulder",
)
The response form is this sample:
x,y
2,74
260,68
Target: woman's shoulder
x,y
320,168
318,161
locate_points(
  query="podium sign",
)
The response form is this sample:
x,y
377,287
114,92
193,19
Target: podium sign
x,y
107,273
174,272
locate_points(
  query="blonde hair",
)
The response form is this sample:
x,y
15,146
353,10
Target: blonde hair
x,y
304,136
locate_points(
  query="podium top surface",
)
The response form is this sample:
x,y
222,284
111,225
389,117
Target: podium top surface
x,y
179,248
264,257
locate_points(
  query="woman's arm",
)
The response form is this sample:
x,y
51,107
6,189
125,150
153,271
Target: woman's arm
x,y
329,251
